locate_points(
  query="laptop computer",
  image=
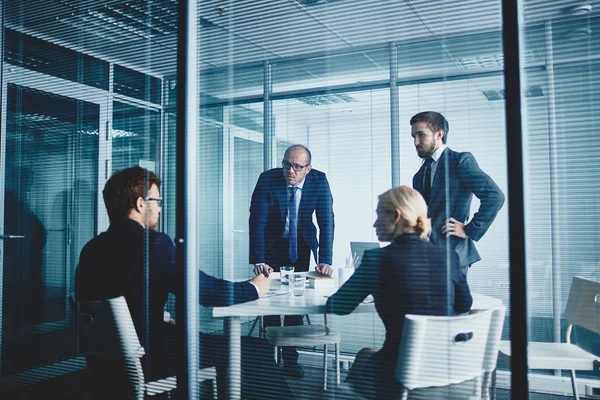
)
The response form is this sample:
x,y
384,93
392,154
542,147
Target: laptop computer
x,y
359,248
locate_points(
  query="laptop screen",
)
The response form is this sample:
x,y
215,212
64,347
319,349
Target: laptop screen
x,y
359,248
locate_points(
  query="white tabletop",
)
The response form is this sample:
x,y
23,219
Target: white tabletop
x,y
313,302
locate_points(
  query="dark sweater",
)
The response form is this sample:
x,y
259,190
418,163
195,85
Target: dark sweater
x,y
112,265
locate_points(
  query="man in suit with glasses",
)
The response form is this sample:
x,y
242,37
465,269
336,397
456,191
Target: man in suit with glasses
x,y
282,232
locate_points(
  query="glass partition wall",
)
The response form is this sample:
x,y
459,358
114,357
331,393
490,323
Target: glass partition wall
x,y
349,133
89,89
76,106
338,102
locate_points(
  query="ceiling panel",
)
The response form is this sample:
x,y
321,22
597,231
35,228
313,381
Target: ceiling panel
x,y
218,47
31,12
140,33
452,17
280,27
115,31
363,22
331,70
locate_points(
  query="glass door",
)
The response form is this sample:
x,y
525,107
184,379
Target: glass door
x,y
50,164
135,137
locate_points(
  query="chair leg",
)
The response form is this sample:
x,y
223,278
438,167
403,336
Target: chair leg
x,y
261,327
279,355
325,367
478,384
215,393
493,389
307,319
404,394
253,326
574,384
485,386
276,358
337,363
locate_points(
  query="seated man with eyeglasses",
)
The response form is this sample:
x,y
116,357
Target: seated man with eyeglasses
x,y
282,232
116,262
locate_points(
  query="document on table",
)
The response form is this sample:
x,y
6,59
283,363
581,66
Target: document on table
x,y
368,300
273,292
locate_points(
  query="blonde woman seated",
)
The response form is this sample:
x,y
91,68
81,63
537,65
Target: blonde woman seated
x,y
410,276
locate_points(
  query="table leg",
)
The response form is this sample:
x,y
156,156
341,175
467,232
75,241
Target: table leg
x,y
234,369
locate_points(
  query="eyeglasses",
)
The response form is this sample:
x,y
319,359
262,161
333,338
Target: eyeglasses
x,y
158,200
297,167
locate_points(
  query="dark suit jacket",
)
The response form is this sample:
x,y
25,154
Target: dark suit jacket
x,y
112,265
457,178
268,211
410,276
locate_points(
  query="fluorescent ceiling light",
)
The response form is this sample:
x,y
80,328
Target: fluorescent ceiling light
x,y
579,9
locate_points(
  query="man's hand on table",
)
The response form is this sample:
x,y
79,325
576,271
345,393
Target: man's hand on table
x,y
263,269
261,283
324,269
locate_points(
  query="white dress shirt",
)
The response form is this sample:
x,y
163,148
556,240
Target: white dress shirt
x,y
435,156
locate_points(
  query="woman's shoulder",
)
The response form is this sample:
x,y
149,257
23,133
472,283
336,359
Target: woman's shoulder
x,y
374,253
412,243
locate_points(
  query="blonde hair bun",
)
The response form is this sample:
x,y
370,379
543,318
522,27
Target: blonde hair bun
x,y
423,227
411,206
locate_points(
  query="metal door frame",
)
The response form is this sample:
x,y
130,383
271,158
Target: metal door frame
x,y
34,80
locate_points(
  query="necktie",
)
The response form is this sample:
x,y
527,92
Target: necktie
x,y
293,232
427,179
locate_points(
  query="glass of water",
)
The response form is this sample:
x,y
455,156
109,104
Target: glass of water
x,y
285,275
298,284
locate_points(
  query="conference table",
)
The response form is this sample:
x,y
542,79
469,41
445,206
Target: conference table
x,y
313,302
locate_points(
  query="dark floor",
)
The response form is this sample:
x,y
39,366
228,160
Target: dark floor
x,y
310,387
71,387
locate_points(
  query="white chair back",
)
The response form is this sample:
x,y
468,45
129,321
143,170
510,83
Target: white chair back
x,y
440,351
583,306
107,332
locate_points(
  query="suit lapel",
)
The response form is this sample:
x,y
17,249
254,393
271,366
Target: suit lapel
x,y
281,195
418,180
307,193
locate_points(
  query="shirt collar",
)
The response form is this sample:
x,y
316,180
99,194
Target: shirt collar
x,y
300,185
438,153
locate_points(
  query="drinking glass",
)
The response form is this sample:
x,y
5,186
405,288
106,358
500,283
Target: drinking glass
x,y
285,275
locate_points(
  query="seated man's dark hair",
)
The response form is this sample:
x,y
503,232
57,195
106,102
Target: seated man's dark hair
x,y
123,189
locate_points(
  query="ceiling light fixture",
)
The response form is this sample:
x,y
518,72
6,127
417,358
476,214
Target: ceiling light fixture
x,y
579,9
578,33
